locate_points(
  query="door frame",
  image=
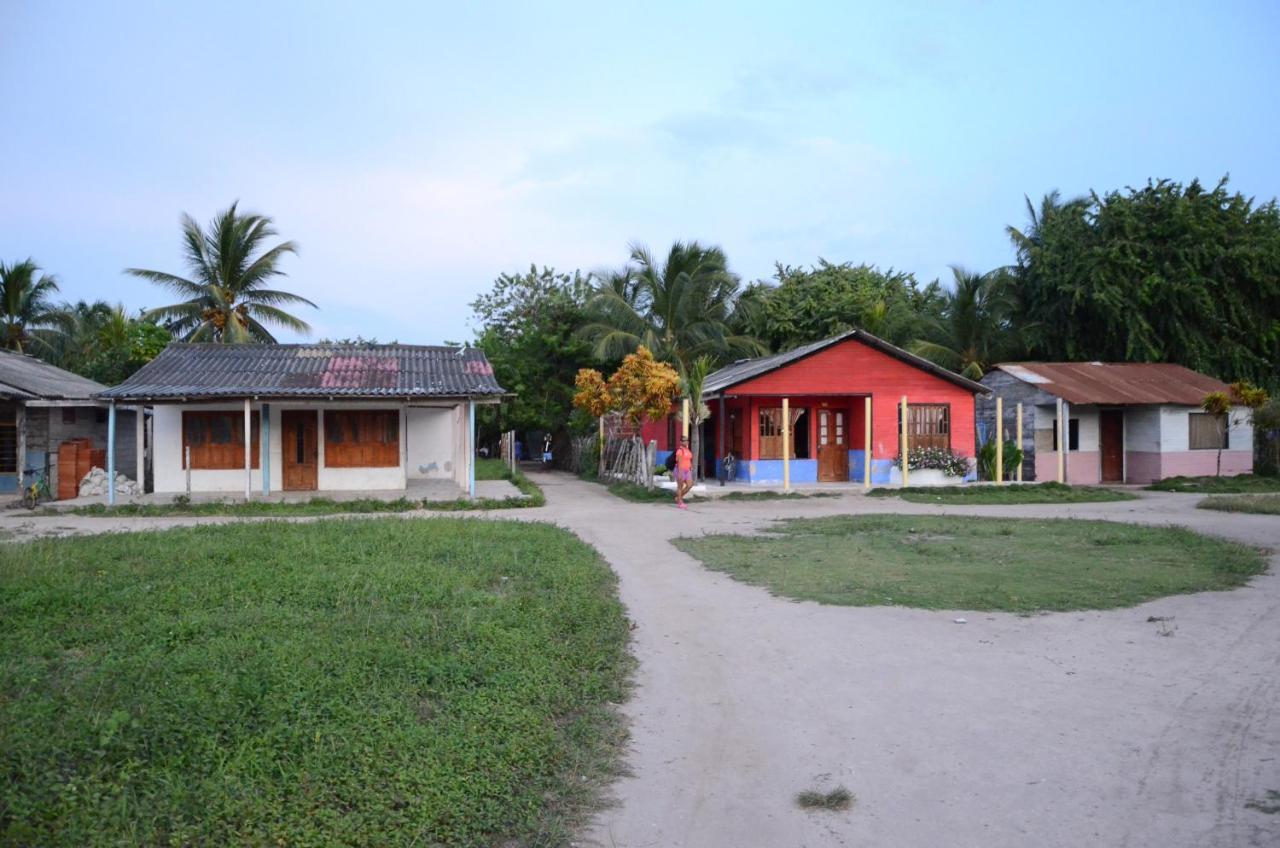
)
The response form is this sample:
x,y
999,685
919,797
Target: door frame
x,y
285,415
1102,446
831,413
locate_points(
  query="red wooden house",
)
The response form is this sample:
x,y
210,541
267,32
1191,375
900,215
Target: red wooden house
x,y
827,385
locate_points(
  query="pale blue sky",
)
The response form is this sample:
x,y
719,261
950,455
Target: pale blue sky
x,y
417,151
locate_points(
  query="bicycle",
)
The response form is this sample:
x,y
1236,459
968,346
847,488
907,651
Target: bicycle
x,y
36,490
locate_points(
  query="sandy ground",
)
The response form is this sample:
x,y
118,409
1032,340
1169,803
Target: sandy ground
x,y
1065,729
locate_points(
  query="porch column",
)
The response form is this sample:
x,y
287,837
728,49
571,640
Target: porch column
x,y
471,448
866,442
248,453
902,442
264,449
1062,442
786,444
140,446
1019,418
20,429
999,440
723,446
684,418
753,422
111,454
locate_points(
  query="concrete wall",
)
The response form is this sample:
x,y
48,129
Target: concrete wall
x,y
432,445
1035,403
46,430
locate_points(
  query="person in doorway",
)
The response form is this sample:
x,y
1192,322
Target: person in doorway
x,y
684,472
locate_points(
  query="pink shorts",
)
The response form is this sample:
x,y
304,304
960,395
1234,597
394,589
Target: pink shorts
x,y
684,474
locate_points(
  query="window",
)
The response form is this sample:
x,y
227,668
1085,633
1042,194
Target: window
x,y
100,416
365,438
1207,431
68,415
216,439
8,441
1073,434
928,425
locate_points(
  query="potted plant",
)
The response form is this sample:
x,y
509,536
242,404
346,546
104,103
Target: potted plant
x,y
935,466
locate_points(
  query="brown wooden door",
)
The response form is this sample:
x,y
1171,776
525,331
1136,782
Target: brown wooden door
x,y
833,446
301,452
1111,437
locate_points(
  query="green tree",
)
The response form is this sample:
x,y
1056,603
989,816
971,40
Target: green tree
x,y
29,319
975,329
227,299
104,342
1162,273
529,328
680,307
805,305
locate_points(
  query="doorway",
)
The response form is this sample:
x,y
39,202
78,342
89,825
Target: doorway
x,y
299,448
1111,444
833,446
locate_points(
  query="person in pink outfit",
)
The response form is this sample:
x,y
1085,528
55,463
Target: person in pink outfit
x,y
684,472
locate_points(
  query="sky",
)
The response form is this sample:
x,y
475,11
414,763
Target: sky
x,y
416,150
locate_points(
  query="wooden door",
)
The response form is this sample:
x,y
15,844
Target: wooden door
x,y
1111,438
299,448
833,446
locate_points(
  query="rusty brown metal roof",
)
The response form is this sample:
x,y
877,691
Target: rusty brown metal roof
x,y
1118,383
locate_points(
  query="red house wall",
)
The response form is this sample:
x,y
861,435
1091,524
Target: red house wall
x,y
853,368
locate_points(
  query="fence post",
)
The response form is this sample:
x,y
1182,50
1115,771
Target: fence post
x,y
999,440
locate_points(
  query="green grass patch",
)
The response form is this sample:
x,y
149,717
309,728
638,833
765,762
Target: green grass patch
x,y
1260,504
1240,484
439,682
639,494
492,468
1014,493
531,496
946,562
837,799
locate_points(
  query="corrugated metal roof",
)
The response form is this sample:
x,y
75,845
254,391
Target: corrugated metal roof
x,y
1118,383
185,370
746,369
27,378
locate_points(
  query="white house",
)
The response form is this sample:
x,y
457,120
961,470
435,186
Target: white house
x,y
316,417
1120,422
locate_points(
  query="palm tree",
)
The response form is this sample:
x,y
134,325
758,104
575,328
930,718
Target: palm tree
x,y
975,330
681,308
28,316
227,299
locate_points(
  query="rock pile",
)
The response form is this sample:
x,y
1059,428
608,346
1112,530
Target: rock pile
x,y
95,483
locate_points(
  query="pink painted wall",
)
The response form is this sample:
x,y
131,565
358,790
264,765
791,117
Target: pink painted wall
x,y
1082,467
1142,466
1046,466
1204,462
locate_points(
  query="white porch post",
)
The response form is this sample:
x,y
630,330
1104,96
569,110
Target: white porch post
x,y
999,440
786,444
471,448
248,453
111,454
866,442
20,425
140,446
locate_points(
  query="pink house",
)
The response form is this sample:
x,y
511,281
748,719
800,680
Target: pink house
x,y
1125,422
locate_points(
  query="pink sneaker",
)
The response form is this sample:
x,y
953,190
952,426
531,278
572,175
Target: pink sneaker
x,y
683,505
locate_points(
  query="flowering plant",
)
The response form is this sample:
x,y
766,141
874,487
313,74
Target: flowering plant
x,y
941,459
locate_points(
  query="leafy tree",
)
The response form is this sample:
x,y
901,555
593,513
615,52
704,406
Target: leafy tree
x,y
529,329
807,305
1163,273
28,316
680,307
975,329
1225,406
226,297
104,342
641,387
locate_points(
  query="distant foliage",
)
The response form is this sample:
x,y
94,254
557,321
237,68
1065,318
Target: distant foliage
x,y
1162,273
641,388
987,460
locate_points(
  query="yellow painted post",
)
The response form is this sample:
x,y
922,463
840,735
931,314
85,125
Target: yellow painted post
x,y
999,440
1062,443
1019,442
866,442
786,444
902,443
684,415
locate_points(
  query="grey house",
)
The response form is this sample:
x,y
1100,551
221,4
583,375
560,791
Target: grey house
x,y
40,408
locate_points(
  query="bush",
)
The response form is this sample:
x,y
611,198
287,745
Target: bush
x,y
938,459
987,460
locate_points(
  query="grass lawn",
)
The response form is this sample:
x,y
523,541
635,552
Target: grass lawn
x,y
639,494
944,562
439,682
1261,504
1014,493
486,469
1239,484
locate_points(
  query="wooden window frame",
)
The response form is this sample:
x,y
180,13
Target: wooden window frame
x,y
922,429
1223,437
223,456
360,438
